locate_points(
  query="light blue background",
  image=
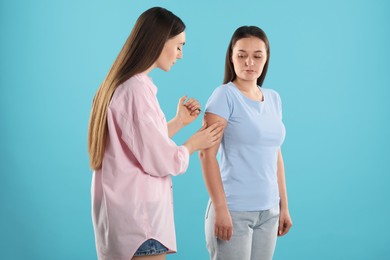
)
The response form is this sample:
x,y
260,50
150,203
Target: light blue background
x,y
329,62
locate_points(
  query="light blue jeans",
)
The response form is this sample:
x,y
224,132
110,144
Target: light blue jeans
x,y
254,235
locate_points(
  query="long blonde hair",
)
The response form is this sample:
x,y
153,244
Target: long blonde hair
x,y
142,48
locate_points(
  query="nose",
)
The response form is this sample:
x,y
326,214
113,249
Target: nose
x,y
180,55
249,61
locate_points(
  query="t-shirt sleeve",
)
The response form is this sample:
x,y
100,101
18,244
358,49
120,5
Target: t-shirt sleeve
x,y
219,103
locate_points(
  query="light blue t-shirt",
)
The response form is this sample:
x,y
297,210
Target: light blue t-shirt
x,y
249,147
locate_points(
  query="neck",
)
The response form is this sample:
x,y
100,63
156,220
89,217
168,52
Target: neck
x,y
249,89
245,85
149,69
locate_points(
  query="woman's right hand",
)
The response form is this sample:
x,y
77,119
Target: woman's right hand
x,y
223,225
205,137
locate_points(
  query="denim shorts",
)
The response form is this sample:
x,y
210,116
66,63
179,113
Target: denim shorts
x,y
151,247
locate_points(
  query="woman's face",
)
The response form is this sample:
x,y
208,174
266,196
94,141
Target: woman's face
x,y
173,50
249,56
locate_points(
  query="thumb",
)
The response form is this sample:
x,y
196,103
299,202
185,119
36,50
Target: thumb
x,y
280,228
182,99
204,125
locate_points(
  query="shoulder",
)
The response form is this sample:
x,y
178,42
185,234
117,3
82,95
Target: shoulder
x,y
220,102
224,90
271,93
227,88
134,96
137,84
135,88
221,95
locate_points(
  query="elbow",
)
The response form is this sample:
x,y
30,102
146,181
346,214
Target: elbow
x,y
206,155
201,155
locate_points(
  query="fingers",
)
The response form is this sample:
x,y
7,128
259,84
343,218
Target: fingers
x,y
216,131
284,227
219,233
209,136
196,112
208,128
213,133
191,102
223,233
216,127
216,137
229,233
193,105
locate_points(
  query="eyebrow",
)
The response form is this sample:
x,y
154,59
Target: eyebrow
x,y
245,51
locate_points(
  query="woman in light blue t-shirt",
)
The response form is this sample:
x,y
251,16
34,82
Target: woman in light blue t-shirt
x,y
248,205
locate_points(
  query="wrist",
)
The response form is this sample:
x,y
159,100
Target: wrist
x,y
220,206
283,205
191,149
178,122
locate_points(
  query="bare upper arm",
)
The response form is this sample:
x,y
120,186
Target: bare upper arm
x,y
210,119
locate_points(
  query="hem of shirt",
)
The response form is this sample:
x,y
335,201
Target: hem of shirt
x,y
217,114
102,256
268,207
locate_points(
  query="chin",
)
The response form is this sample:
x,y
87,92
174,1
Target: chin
x,y
251,78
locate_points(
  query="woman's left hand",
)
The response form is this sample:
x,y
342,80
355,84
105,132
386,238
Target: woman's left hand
x,y
187,111
285,222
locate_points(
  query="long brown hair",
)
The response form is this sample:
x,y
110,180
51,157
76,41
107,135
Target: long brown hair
x,y
245,32
141,49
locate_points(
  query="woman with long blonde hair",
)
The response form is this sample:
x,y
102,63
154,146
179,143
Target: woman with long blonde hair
x,y
130,146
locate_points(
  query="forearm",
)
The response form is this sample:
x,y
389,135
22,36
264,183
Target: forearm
x,y
174,126
282,190
285,222
282,183
212,178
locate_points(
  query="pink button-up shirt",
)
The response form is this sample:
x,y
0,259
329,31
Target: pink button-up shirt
x,y
132,192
